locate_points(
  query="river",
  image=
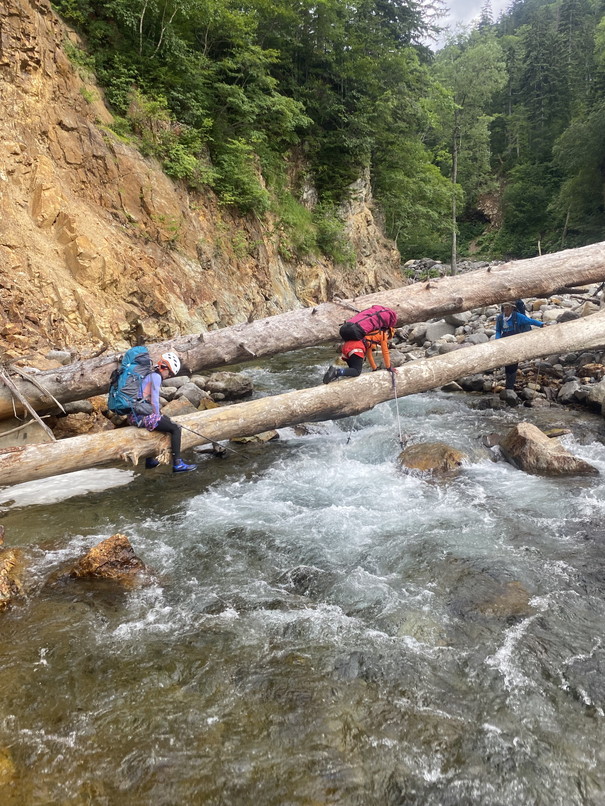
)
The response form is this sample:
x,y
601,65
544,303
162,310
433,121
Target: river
x,y
323,628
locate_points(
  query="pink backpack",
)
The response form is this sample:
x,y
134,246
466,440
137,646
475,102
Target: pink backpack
x,y
375,318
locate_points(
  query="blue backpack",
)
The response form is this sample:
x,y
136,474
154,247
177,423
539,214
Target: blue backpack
x,y
125,382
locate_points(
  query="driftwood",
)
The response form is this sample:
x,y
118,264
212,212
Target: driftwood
x,y
307,327
339,399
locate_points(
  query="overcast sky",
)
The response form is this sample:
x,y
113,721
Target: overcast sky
x,y
465,11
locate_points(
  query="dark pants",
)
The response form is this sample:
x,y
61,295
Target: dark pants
x,y
510,370
355,363
165,425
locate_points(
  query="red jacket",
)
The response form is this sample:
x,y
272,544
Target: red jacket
x,y
366,346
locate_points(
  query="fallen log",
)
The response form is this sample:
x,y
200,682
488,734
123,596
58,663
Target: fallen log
x,y
307,327
339,399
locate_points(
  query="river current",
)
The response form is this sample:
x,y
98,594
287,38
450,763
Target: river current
x,y
323,627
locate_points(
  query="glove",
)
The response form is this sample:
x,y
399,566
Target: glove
x,y
391,369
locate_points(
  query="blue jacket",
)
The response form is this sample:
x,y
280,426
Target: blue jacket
x,y
516,323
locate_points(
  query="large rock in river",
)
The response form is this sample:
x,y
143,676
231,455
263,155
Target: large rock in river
x,y
532,451
114,558
432,457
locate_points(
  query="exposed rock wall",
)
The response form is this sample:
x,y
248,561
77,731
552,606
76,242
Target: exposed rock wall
x,y
98,245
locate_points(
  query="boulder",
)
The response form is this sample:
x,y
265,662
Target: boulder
x,y
192,393
177,407
459,319
567,393
114,558
11,569
435,330
526,447
477,338
75,424
432,457
232,385
596,395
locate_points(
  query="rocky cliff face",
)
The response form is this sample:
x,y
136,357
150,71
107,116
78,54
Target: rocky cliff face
x,y
98,246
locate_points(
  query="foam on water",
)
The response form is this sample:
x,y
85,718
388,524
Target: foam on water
x,y
53,489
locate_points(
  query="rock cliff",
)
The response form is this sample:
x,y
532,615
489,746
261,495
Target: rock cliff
x,y
98,246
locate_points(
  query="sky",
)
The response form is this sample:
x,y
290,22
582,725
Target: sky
x,y
465,11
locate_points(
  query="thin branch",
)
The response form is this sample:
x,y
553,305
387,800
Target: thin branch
x,y
16,393
37,385
20,427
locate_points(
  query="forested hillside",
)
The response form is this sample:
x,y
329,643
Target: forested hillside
x,y
496,140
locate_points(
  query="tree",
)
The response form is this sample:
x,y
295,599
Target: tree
x,y
473,70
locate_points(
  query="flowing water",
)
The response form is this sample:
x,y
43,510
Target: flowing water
x,y
323,628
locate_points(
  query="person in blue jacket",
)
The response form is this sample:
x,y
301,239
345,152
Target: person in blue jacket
x,y
509,323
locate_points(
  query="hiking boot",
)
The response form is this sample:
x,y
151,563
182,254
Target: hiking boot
x,y
150,463
182,467
331,374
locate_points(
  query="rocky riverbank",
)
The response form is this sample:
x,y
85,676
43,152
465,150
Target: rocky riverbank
x,y
569,378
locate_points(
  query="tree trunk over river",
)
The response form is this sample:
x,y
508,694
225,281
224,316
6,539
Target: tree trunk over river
x,y
339,399
307,327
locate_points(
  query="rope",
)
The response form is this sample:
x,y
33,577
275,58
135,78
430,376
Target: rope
x,y
397,407
213,442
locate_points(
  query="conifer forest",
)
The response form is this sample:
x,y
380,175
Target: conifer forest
x,y
491,144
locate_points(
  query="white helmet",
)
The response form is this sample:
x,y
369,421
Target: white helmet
x,y
170,361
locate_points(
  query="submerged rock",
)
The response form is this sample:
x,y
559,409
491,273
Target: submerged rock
x,y
433,457
114,558
529,449
8,771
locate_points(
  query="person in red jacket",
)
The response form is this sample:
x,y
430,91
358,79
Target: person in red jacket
x,y
354,352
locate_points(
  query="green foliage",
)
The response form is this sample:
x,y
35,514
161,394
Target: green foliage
x,y
237,178
221,91
331,237
296,229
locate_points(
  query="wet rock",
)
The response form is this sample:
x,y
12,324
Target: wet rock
x,y
433,457
510,397
308,580
8,771
509,600
11,572
230,384
114,558
586,679
568,391
452,387
490,402
529,449
264,436
472,383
